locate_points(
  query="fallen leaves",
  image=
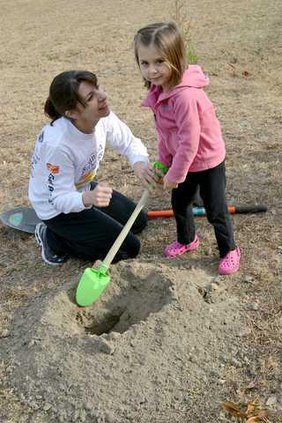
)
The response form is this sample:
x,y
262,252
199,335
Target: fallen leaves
x,y
248,413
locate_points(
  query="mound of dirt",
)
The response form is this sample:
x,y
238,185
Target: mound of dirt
x,y
151,344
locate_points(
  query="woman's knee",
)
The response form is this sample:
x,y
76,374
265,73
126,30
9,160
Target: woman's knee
x,y
129,250
140,223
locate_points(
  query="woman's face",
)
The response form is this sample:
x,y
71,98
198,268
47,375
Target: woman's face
x,y
96,107
153,66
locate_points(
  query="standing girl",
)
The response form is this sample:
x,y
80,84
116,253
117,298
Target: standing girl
x,y
81,217
189,139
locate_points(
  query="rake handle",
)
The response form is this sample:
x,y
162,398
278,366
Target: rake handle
x,y
116,246
247,209
200,211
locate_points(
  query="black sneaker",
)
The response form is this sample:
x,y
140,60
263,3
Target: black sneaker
x,y
47,254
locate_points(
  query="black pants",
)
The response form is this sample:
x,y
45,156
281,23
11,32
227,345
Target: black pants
x,y
212,184
90,233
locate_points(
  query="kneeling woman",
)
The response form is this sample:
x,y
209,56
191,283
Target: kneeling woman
x,y
82,218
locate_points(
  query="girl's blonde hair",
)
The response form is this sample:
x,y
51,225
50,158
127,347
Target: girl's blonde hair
x,y
166,37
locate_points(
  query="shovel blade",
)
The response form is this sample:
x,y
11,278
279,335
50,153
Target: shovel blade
x,y
91,285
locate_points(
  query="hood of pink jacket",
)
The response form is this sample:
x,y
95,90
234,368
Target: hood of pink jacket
x,y
194,77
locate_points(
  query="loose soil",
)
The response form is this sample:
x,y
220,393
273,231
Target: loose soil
x,y
170,340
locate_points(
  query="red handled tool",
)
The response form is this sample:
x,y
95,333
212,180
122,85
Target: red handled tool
x,y
201,211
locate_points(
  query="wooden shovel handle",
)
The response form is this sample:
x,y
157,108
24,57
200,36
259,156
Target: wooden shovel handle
x,y
114,249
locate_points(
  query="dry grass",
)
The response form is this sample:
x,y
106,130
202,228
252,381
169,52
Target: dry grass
x,y
238,44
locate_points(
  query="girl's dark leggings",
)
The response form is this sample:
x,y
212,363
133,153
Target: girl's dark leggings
x,y
212,184
90,234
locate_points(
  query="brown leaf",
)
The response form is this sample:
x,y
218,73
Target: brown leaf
x,y
233,409
251,407
246,73
258,418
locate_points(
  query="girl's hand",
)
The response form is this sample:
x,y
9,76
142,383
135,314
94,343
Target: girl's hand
x,y
145,172
169,184
99,197
160,170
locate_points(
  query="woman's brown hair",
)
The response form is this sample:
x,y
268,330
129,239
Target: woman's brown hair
x,y
63,92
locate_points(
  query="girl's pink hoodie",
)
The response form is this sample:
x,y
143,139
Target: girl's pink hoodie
x,y
189,134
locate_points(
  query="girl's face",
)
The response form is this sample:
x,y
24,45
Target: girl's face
x,y
153,66
86,117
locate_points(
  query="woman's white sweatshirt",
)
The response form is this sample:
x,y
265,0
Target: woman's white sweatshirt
x,y
65,161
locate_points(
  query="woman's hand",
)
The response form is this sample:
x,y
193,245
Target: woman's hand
x,y
169,184
99,197
145,172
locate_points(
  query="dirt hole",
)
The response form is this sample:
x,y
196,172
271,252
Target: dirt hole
x,y
135,301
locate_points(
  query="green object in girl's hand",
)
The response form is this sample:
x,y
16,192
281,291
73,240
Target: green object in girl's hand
x,y
160,169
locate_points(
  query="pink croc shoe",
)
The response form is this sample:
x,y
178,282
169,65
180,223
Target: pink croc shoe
x,y
176,249
230,263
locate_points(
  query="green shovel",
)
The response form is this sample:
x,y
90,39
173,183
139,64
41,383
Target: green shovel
x,y
94,281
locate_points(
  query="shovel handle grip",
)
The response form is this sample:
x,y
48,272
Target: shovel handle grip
x,y
116,246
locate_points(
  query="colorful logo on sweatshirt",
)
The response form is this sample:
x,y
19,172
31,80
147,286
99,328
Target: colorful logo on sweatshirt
x,y
54,169
85,179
